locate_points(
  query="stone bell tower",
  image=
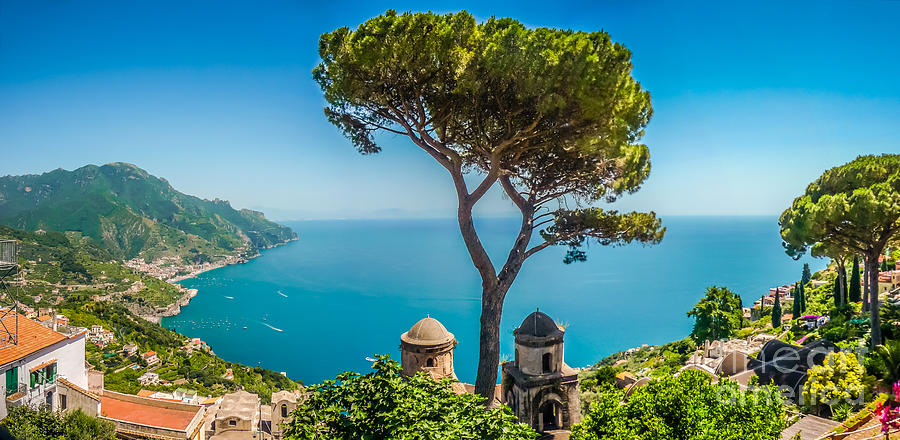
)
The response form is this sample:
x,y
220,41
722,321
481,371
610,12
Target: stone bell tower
x,y
428,347
538,386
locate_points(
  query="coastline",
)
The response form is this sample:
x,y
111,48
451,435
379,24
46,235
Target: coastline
x,y
188,294
342,263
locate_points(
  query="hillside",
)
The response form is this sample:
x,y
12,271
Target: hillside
x,y
57,264
133,214
199,369
73,276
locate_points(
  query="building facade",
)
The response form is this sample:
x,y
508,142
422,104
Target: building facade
x,y
888,281
283,403
32,368
238,416
538,386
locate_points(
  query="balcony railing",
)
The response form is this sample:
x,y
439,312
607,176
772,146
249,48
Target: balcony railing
x,y
36,393
22,388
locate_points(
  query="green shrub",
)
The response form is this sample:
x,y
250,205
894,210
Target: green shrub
x,y
686,407
385,405
25,423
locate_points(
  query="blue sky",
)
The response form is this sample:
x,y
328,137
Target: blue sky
x,y
752,100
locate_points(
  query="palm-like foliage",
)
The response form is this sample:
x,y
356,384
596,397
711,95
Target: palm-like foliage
x,y
889,355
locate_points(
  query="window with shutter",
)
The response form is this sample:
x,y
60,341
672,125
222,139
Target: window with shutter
x,y
12,380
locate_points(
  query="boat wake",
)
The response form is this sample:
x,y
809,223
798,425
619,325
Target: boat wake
x,y
282,294
273,328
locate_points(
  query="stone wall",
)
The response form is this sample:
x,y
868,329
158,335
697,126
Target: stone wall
x,y
95,381
277,419
415,359
77,398
530,359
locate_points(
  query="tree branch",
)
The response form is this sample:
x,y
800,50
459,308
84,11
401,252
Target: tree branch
x,y
542,246
514,195
517,254
538,225
442,159
484,186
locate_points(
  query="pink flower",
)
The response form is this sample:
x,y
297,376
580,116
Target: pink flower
x,y
887,415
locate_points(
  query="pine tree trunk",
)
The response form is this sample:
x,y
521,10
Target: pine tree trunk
x,y
489,351
874,316
493,289
846,289
865,300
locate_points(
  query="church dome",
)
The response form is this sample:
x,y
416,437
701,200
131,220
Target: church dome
x,y
538,325
428,331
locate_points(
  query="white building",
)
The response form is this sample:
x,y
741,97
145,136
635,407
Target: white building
x,y
100,336
149,378
151,358
32,368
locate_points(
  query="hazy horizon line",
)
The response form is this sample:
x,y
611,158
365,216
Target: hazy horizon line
x,y
662,216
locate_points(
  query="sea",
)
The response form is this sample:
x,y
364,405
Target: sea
x,y
347,290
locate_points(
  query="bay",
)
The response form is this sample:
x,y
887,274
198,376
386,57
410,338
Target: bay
x,y
348,288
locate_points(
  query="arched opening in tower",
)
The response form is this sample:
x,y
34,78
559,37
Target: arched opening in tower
x,y
550,415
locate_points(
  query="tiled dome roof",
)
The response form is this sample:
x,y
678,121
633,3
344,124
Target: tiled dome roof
x,y
538,324
428,331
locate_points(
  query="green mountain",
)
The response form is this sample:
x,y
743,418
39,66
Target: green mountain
x,y
70,274
134,214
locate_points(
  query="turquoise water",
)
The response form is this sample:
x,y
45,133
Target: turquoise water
x,y
348,289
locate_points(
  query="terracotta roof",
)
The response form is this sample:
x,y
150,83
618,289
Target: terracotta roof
x,y
43,318
146,393
464,388
145,414
32,337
